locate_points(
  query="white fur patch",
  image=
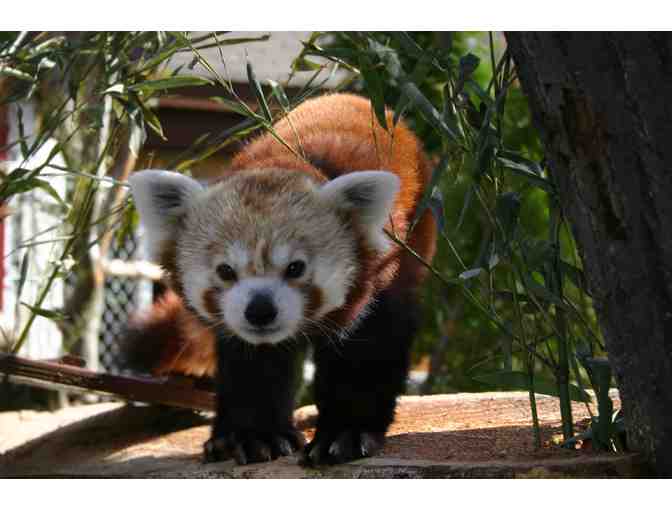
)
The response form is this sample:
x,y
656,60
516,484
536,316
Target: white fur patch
x,y
288,301
334,283
371,195
160,197
195,283
280,255
237,256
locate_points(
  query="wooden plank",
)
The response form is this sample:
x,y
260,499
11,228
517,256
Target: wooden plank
x,y
177,392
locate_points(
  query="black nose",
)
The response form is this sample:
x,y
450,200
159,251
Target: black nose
x,y
260,310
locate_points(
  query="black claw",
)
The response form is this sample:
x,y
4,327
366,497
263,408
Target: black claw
x,y
343,449
339,448
259,451
370,444
249,446
239,454
214,450
282,447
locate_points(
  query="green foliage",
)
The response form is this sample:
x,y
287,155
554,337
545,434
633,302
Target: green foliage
x,y
607,430
509,305
94,92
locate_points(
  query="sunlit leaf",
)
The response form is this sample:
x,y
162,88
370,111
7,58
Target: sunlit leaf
x,y
12,72
49,314
152,120
471,273
147,87
279,94
258,92
375,88
23,273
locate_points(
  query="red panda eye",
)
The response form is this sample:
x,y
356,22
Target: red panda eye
x,y
226,272
295,269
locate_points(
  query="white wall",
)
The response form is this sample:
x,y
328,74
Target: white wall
x,y
32,213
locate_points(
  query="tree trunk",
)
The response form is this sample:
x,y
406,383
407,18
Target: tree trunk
x,y
603,105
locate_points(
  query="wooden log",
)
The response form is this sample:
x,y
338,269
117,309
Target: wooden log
x,y
169,391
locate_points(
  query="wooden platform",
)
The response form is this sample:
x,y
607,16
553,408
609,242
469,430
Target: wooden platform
x,y
483,435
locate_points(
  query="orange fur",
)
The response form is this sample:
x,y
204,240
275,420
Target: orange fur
x,y
170,339
329,136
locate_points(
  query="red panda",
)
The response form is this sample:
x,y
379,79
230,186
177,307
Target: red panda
x,y
286,246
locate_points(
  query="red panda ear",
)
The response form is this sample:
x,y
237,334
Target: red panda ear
x,y
161,197
370,194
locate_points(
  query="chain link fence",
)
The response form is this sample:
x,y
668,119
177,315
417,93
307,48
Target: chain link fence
x,y
121,300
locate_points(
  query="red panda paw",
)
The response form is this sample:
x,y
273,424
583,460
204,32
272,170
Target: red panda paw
x,y
248,446
342,447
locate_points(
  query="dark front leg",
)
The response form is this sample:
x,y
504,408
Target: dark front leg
x,y
255,401
357,383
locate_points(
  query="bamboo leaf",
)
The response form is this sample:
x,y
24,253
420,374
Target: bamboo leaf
x,y
437,209
23,273
538,252
507,211
234,106
258,92
514,160
12,72
471,273
374,86
529,170
116,89
432,196
542,292
45,186
469,196
478,90
279,94
427,110
531,178
150,86
575,275
49,314
22,133
152,120
21,180
303,64
227,42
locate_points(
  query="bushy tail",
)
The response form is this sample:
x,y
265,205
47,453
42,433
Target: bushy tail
x,y
168,339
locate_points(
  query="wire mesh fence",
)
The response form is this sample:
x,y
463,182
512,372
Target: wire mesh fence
x,y
123,296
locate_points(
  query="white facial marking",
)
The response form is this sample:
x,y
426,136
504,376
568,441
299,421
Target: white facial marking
x,y
280,255
334,282
238,256
195,283
259,256
288,302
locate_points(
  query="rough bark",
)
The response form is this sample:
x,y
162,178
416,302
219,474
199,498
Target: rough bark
x,y
601,102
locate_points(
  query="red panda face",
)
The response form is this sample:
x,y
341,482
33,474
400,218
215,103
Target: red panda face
x,y
263,293
264,255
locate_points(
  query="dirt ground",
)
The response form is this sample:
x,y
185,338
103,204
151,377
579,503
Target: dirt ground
x,y
475,427
491,431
